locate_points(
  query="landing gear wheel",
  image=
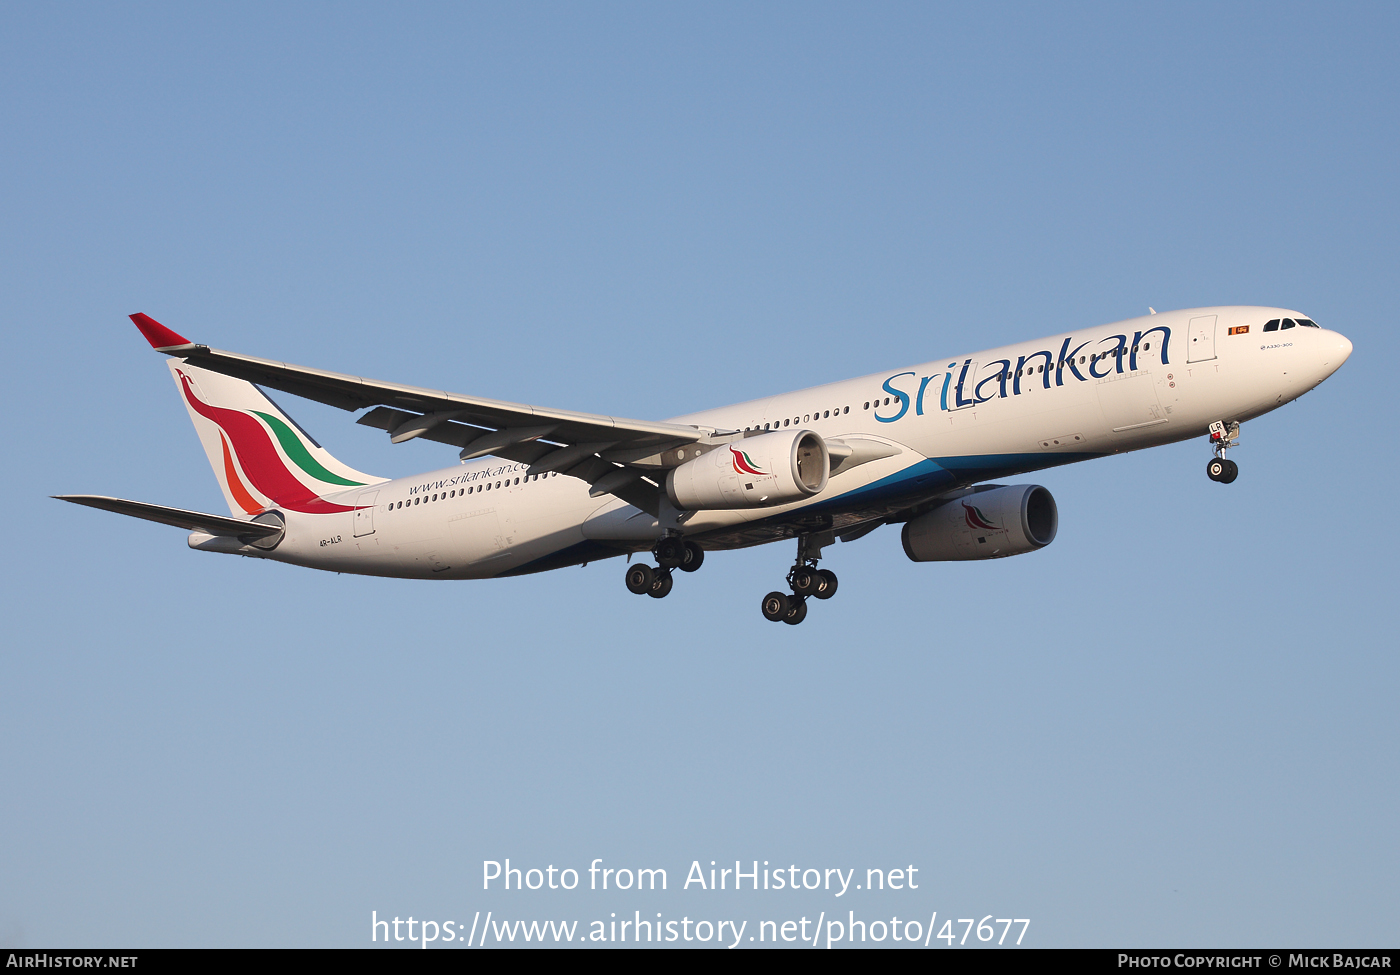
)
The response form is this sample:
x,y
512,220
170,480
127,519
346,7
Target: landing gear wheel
x,y
828,586
639,578
661,583
694,556
670,552
1216,469
1232,471
797,611
805,580
776,606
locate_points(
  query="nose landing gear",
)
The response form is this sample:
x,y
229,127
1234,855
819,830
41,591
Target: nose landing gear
x,y
805,580
1223,436
1222,470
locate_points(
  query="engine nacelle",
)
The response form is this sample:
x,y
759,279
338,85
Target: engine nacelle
x,y
990,524
770,469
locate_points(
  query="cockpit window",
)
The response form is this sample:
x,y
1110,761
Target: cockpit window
x,y
1308,323
1287,323
1271,326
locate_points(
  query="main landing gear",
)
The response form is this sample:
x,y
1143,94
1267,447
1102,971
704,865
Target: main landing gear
x,y
1223,436
672,552
805,580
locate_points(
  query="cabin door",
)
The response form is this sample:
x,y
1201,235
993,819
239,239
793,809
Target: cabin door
x,y
1200,341
364,514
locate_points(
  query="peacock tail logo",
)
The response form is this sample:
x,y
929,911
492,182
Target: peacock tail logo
x,y
976,519
265,471
743,463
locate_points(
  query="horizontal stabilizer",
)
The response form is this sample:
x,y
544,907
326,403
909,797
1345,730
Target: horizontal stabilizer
x,y
178,517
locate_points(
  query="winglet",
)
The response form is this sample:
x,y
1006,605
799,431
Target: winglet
x,y
161,338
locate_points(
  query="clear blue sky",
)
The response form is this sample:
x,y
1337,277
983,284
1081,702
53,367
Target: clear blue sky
x,y
1175,726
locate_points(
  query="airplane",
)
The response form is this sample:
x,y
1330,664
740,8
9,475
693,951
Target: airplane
x,y
538,488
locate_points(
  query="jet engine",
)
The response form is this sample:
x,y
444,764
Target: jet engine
x,y
991,524
769,469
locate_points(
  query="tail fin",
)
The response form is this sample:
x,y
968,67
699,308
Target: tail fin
x,y
261,458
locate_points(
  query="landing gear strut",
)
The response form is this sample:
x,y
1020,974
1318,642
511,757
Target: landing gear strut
x,y
672,552
1223,436
805,580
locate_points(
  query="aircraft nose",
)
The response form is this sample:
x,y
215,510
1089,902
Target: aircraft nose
x,y
1336,347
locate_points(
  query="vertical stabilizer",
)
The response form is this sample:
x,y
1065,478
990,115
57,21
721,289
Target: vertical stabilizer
x,y
261,458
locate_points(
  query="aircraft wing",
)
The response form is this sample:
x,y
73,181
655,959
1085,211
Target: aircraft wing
x,y
610,453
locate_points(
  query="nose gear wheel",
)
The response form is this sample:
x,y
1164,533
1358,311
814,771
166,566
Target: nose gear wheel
x,y
1223,436
1222,470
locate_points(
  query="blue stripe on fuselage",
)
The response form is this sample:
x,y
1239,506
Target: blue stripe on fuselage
x,y
936,475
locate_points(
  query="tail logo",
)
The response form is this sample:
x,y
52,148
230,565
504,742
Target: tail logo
x,y
262,466
743,463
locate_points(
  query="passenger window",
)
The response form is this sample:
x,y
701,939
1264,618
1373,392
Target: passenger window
x,y
848,409
1287,323
806,419
887,401
1146,346
1271,326
867,406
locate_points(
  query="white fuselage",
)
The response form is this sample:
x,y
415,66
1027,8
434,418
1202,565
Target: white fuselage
x,y
954,421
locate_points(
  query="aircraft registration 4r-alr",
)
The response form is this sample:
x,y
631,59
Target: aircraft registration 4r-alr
x,y
540,488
